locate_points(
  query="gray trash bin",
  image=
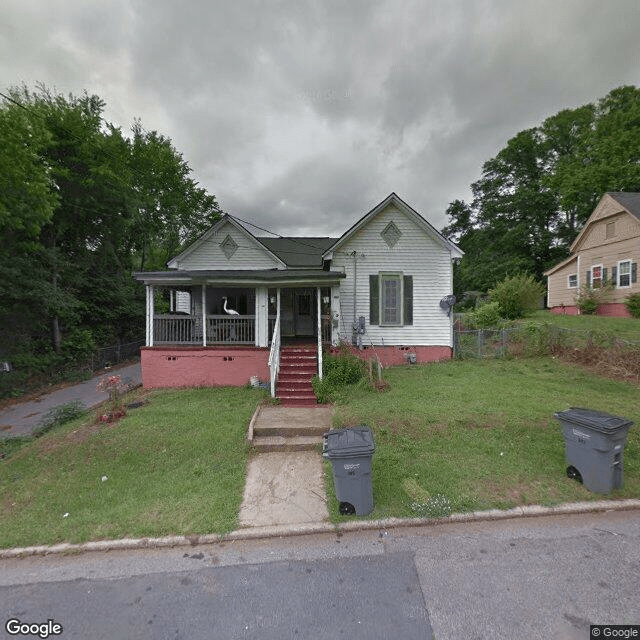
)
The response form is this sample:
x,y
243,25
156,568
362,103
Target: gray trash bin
x,y
350,452
594,447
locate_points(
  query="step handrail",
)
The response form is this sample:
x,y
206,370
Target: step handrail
x,y
274,354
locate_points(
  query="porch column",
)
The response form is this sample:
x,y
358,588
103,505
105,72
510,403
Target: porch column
x,y
204,315
335,315
149,315
262,317
319,301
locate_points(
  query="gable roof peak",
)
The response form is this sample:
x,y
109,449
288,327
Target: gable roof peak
x,y
410,212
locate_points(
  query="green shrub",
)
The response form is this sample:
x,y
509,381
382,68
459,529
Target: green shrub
x,y
589,299
338,371
517,296
632,302
59,415
488,314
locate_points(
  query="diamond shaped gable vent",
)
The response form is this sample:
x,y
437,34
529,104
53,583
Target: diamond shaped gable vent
x,y
229,247
391,234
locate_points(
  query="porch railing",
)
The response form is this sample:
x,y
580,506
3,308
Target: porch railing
x,y
274,355
179,329
224,329
221,329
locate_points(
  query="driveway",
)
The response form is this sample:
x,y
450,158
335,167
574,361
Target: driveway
x,y
21,418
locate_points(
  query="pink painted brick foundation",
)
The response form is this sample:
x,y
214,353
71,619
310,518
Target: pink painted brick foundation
x,y
611,309
202,367
390,356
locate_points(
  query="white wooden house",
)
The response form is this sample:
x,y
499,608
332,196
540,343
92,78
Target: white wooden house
x,y
233,300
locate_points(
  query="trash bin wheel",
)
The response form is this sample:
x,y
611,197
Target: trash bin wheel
x,y
574,474
346,509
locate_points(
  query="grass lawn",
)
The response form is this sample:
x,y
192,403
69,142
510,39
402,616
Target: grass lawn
x,y
174,466
625,328
455,436
475,435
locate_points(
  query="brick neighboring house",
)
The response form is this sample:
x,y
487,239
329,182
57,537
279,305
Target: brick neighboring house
x,y
232,301
607,250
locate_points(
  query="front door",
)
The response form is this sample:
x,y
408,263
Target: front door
x,y
298,315
303,312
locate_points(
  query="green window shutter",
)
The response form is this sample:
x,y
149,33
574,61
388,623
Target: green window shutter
x,y
614,276
588,278
634,271
604,275
408,299
374,300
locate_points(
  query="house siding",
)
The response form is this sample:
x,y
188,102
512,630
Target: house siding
x,y
415,254
559,292
209,254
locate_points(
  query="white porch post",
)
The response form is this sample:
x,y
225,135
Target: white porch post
x,y
262,317
319,300
149,315
335,315
204,315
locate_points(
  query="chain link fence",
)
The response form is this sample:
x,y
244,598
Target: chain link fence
x,y
530,339
108,356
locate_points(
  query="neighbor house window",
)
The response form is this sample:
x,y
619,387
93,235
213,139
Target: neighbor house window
x,y
596,276
390,299
624,273
573,281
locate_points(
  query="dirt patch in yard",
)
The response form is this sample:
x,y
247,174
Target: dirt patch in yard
x,y
620,362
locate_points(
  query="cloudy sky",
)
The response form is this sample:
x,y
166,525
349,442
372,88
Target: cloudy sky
x,y
302,115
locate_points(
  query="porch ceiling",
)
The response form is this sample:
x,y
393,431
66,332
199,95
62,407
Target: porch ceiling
x,y
271,277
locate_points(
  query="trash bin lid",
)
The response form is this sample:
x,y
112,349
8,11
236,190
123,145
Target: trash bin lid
x,y
598,420
346,443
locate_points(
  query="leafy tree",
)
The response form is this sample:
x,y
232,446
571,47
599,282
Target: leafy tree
x,y
81,207
535,195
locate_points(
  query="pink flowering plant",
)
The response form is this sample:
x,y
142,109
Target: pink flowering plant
x,y
115,386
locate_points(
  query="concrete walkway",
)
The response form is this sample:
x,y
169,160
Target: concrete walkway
x,y
20,419
286,487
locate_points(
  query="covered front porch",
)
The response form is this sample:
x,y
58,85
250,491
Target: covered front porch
x,y
214,316
212,328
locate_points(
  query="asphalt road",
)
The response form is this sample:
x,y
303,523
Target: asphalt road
x,y
533,578
19,419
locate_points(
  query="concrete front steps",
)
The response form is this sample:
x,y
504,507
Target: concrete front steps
x,y
284,429
298,364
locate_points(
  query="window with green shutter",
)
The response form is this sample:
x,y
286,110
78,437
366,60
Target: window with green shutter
x,y
390,299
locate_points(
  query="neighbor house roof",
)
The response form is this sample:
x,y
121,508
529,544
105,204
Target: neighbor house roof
x,y
564,263
629,200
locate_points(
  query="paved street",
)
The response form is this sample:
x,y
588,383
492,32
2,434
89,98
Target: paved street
x,y
534,578
19,419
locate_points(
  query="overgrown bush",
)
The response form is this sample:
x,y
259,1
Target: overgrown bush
x,y
517,296
487,314
338,371
59,415
632,302
588,299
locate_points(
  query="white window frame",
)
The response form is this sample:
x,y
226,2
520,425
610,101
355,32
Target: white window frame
x,y
399,277
597,266
569,285
620,274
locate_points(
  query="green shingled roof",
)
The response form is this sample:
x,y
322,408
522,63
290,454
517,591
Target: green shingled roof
x,y
299,252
